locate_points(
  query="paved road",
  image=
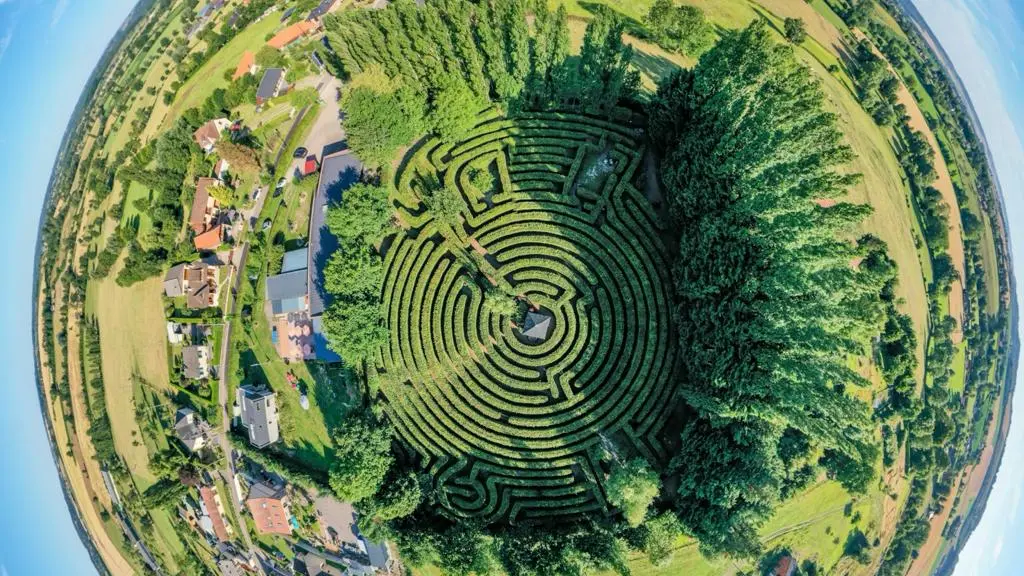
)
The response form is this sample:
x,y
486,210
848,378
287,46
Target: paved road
x,y
326,130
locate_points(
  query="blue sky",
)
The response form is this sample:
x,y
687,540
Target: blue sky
x,y
985,41
48,48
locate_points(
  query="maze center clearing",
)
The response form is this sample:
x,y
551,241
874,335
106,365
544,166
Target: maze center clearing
x,y
513,411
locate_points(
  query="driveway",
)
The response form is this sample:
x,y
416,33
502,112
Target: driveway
x,y
326,129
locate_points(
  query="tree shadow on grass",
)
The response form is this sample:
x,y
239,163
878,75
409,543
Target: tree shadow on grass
x,y
653,66
332,388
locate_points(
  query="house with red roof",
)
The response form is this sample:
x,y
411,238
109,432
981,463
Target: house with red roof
x,y
289,35
246,65
212,520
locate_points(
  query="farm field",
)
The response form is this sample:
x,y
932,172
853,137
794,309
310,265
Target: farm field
x,y
133,344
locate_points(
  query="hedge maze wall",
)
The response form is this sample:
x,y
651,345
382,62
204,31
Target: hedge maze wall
x,y
511,430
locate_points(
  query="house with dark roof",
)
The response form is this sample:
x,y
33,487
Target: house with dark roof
x,y
196,281
310,564
195,362
288,292
258,415
271,86
269,507
190,430
786,566
323,8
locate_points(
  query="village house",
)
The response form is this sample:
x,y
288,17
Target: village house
x,y
290,34
195,362
175,333
207,135
323,8
257,411
310,564
198,282
203,218
212,520
271,86
269,507
246,65
190,430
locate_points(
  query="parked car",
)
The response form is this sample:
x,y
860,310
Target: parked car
x,y
266,224
256,194
300,152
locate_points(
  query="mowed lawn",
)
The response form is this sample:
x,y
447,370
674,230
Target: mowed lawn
x,y
210,75
132,341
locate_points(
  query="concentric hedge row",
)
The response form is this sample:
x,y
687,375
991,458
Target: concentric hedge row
x,y
512,429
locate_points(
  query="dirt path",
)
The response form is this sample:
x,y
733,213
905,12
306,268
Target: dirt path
x,y
86,451
944,184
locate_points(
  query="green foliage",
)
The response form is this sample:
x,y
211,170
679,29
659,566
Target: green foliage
x,y
795,30
763,278
397,498
632,487
570,549
446,205
682,28
453,109
366,446
355,330
363,214
378,123
658,538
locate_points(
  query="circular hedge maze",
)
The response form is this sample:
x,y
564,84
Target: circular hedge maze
x,y
512,413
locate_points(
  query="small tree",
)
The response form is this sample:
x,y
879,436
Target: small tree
x,y
453,109
631,487
446,204
795,30
497,302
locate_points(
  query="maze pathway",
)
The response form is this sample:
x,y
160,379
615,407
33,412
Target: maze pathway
x,y
513,428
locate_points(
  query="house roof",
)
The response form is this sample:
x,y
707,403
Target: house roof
x,y
321,346
194,362
174,281
244,64
287,292
310,166
291,34
197,217
268,85
189,429
266,503
537,325
314,565
259,415
338,172
210,503
378,553
210,239
323,8
207,134
295,260
785,567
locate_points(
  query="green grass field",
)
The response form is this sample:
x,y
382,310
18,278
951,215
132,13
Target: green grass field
x,y
210,75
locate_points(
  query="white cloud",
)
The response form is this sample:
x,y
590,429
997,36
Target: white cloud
x,y
58,11
5,41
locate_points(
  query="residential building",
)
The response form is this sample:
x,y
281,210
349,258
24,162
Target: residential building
x,y
196,281
213,520
271,85
290,34
210,239
258,415
204,206
310,564
207,135
191,430
288,292
246,65
269,507
786,566
323,8
195,362
220,169
175,333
